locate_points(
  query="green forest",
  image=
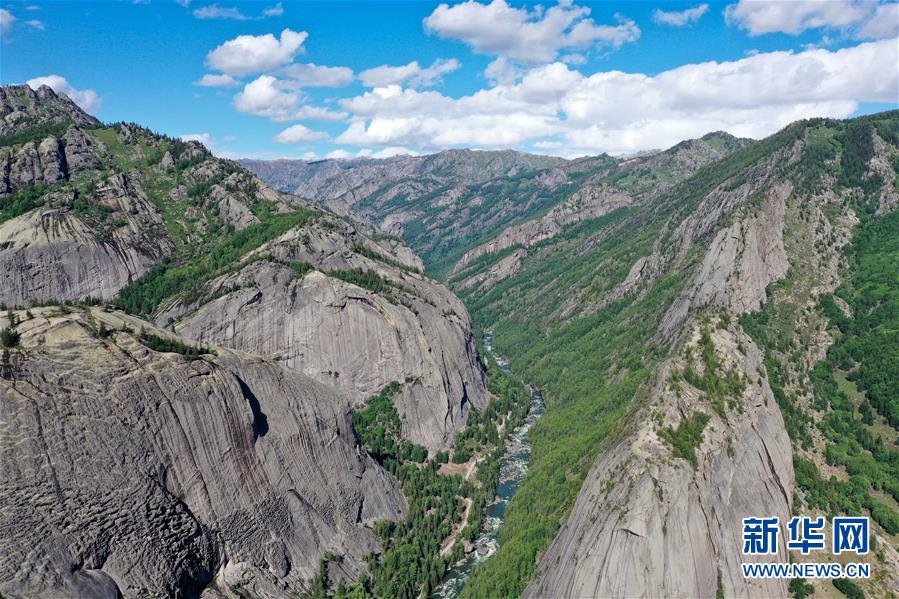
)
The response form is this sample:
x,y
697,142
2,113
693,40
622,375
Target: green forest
x,y
410,564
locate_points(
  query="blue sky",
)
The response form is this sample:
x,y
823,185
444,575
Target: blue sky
x,y
571,78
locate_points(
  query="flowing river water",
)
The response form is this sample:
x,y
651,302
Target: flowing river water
x,y
513,468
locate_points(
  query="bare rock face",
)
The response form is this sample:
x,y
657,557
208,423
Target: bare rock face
x,y
48,162
81,153
880,164
505,268
131,472
349,181
56,254
167,162
25,167
22,107
344,335
647,524
742,261
53,162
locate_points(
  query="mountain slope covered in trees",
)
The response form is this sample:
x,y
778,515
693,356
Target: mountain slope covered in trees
x,y
767,277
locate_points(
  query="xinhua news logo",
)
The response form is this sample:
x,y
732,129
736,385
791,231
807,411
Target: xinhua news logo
x,y
806,535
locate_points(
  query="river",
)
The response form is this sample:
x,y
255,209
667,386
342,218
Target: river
x,y
513,468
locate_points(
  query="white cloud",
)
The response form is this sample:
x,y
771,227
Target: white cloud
x,y
680,18
313,75
248,54
87,99
203,138
270,97
502,71
338,155
528,36
299,134
35,24
752,97
759,17
265,96
318,113
883,23
412,74
392,151
6,20
274,11
209,80
556,108
503,116
214,11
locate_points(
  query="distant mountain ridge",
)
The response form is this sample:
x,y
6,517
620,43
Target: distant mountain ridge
x,y
446,203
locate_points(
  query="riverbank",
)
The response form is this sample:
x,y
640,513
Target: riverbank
x,y
513,468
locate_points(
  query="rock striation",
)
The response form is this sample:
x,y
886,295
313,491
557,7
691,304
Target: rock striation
x,y
128,472
345,335
56,253
647,524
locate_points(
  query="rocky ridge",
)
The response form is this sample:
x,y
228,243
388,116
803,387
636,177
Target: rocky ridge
x,y
634,180
643,518
345,334
162,227
753,242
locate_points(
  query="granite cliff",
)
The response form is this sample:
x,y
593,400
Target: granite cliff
x,y
130,471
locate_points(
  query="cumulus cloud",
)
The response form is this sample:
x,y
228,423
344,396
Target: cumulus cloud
x,y
863,18
502,71
503,116
569,113
411,74
883,23
338,155
270,97
527,36
680,18
35,24
313,75
6,20
299,134
203,138
209,80
248,54
87,99
752,97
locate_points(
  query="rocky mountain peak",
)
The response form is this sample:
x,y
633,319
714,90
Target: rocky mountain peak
x,y
23,108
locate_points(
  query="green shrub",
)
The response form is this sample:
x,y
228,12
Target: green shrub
x,y
686,437
9,337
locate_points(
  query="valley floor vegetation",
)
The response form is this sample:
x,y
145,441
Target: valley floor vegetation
x,y
410,564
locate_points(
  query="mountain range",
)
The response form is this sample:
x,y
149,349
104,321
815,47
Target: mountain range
x,y
252,378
